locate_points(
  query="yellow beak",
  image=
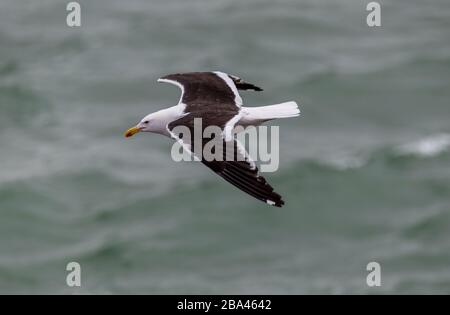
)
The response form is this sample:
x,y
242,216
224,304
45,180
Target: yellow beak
x,y
132,131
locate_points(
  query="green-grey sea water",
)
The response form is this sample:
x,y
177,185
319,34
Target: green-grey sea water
x,y
364,171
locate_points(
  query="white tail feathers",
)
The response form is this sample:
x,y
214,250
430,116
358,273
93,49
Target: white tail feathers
x,y
263,113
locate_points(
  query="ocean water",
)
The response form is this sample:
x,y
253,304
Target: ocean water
x,y
364,171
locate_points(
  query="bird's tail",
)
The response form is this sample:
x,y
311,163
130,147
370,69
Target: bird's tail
x,y
283,110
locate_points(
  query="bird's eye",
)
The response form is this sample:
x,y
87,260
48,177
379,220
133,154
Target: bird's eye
x,y
146,122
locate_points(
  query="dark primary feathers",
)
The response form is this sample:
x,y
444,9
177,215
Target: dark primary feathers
x,y
235,166
242,85
243,174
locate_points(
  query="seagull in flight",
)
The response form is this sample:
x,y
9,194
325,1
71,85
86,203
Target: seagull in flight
x,y
214,97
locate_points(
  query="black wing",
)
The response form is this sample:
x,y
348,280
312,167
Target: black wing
x,y
201,89
231,162
243,173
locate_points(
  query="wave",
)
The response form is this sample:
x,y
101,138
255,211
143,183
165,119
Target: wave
x,y
427,147
433,146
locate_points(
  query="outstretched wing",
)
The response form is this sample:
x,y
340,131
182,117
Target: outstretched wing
x,y
209,88
199,89
229,160
243,173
